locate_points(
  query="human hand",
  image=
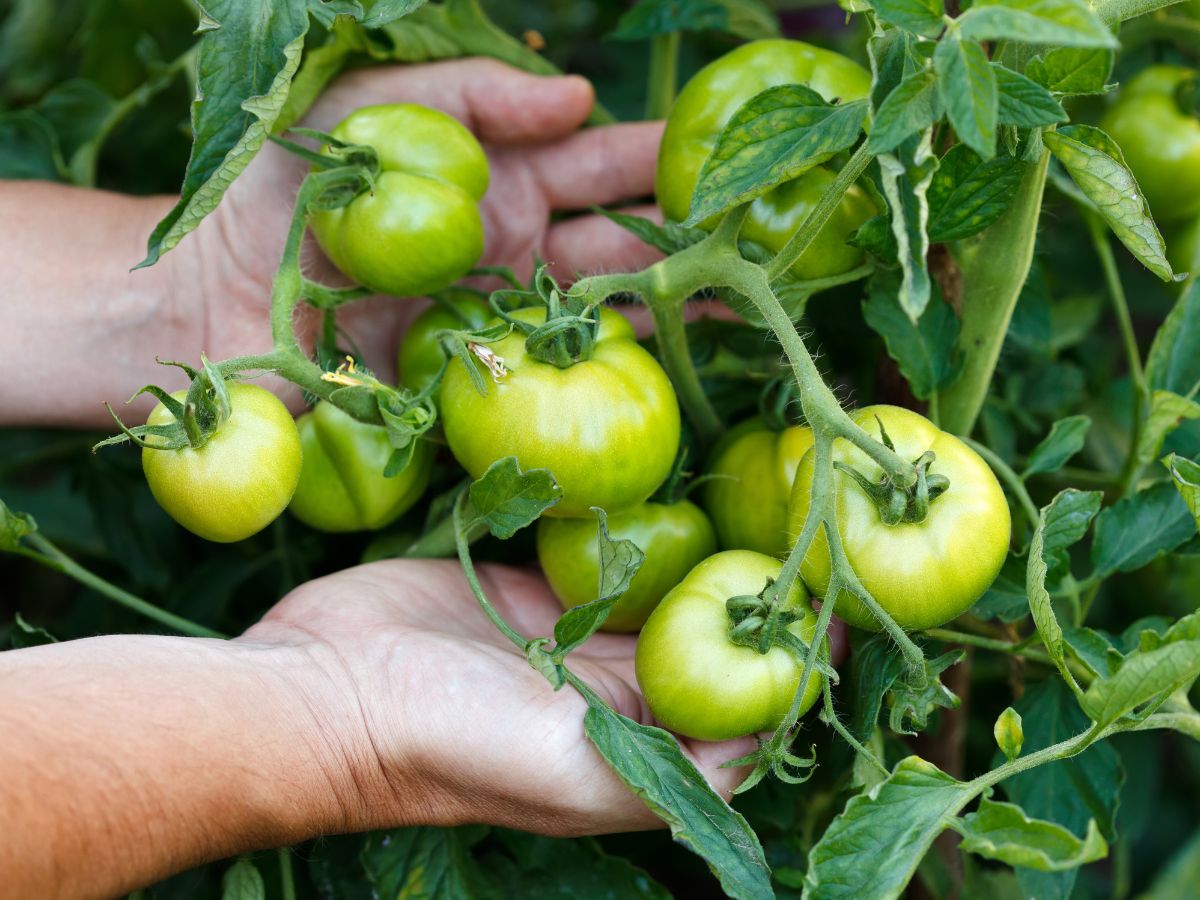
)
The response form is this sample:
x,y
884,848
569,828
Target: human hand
x,y
442,720
540,163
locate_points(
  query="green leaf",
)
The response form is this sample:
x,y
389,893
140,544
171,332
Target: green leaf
x,y
1174,360
1003,832
425,863
872,849
1095,649
968,194
773,137
925,351
1142,677
1139,528
506,499
909,109
1069,23
915,696
1181,874
1066,438
648,760
967,85
1024,102
242,881
669,237
248,53
1167,412
1185,475
749,19
13,527
319,67
1006,599
25,635
906,178
1009,733
384,12
875,236
563,869
921,17
619,561
29,148
1097,166
1072,70
875,666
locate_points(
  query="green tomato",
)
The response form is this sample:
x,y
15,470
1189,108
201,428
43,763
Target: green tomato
x,y
699,683
749,503
922,574
708,102
606,427
674,537
1160,140
419,358
243,476
419,230
342,486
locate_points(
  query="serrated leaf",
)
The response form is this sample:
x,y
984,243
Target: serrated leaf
x,y
1069,23
1094,648
1072,70
1023,102
244,65
912,106
1167,412
425,863
967,85
875,667
921,17
1066,438
926,350
1003,832
1185,475
243,881
648,760
872,849
915,696
1143,676
748,19
1140,528
1006,599
506,499
1174,360
906,178
669,237
1097,166
967,193
773,137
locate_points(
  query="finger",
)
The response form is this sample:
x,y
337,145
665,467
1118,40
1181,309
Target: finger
x,y
598,166
710,756
593,243
499,103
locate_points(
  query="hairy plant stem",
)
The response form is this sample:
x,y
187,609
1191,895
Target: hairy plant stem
x,y
664,74
464,557
43,551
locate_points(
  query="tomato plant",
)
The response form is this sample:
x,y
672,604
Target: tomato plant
x,y
420,357
418,230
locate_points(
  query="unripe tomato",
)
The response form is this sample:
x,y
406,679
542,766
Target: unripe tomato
x,y
606,427
697,681
419,357
923,573
1160,139
674,537
420,230
243,476
748,504
342,486
708,102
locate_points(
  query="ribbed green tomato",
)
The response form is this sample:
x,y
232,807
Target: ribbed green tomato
x,y
606,427
708,102
342,486
1160,139
419,230
674,537
419,357
748,504
240,480
699,683
923,574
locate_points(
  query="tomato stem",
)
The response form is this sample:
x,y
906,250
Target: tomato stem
x,y
663,76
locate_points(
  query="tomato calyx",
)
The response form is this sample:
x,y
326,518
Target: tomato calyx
x,y
757,622
360,161
901,505
568,336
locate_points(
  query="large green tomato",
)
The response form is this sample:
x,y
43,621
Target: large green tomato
x,y
1160,139
342,486
419,357
708,102
923,574
420,229
748,504
606,427
674,537
699,683
243,476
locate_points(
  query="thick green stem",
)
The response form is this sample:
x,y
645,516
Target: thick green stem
x,y
672,341
994,269
49,555
287,881
461,533
812,225
664,75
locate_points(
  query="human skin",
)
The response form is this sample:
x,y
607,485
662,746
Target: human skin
x,y
67,275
